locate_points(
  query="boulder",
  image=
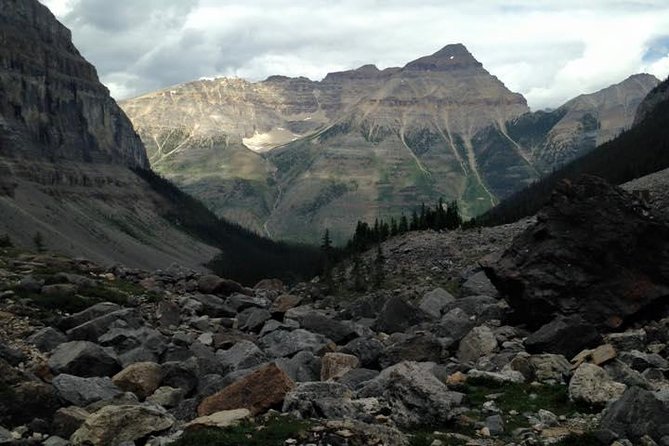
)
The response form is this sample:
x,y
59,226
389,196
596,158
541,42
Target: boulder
x,y
594,251
356,378
67,420
166,396
47,339
338,331
641,361
180,374
319,400
434,302
213,306
335,365
285,302
483,308
253,319
218,420
84,391
168,314
141,378
455,324
367,349
397,315
142,344
29,400
549,368
60,289
83,358
88,314
479,342
478,284
243,355
211,284
637,413
592,385
422,347
11,355
563,336
302,367
416,397
30,284
257,392
628,340
281,343
241,302
114,425
91,330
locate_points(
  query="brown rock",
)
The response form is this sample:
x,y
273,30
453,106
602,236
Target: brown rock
x,y
67,420
270,285
285,302
142,378
598,356
61,289
257,392
457,379
335,365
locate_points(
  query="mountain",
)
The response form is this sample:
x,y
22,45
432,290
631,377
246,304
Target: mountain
x,y
581,124
641,150
75,176
289,157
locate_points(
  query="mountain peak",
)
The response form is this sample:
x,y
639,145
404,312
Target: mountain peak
x,y
451,57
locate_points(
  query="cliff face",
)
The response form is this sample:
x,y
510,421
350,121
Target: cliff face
x,y
51,101
659,95
66,150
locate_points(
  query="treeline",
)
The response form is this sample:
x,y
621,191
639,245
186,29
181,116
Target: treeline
x,y
642,150
440,217
246,256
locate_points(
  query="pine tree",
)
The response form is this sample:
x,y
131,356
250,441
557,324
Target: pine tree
x,y
404,224
326,247
358,274
379,260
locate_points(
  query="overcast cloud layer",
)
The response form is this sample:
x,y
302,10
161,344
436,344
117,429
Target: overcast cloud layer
x,y
550,51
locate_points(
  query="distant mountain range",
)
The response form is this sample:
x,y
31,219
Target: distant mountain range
x,y
289,157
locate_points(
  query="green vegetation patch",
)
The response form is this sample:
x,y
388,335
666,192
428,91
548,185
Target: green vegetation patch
x,y
273,432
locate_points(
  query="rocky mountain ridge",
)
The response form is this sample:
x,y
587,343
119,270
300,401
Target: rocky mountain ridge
x,y
288,157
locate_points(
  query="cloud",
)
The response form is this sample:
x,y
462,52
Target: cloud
x,y
548,51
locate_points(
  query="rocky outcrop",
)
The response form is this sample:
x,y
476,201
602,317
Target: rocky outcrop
x,y
595,251
52,105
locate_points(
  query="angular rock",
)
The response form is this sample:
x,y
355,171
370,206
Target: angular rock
x,y
218,420
166,396
549,368
628,340
30,284
636,414
593,252
12,355
284,303
214,306
257,392
211,284
397,315
168,314
506,376
419,348
592,385
598,356
180,374
60,289
414,394
127,318
142,378
253,319
83,358
455,324
67,420
319,399
29,400
243,355
564,336
478,285
84,391
47,339
338,332
483,308
302,367
354,379
280,343
434,302
335,365
241,302
640,361
367,349
114,425
88,314
142,344
479,342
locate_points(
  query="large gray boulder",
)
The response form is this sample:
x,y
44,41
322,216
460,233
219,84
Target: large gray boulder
x,y
47,339
368,350
479,342
566,336
591,384
319,400
243,355
91,330
84,391
637,413
281,343
416,397
397,315
434,302
88,314
83,358
302,367
339,332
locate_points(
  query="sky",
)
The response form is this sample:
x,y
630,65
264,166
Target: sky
x,y
548,50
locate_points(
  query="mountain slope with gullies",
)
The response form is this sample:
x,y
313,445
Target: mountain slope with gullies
x,y
289,157
553,138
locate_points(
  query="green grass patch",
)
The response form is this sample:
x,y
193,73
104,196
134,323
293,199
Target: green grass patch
x,y
274,432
